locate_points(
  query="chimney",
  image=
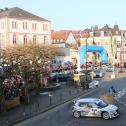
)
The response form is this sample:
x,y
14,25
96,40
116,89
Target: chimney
x,y
6,8
91,34
96,27
1,10
92,28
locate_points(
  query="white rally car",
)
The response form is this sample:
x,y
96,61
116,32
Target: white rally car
x,y
94,107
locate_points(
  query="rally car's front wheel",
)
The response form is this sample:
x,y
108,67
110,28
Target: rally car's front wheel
x,y
105,115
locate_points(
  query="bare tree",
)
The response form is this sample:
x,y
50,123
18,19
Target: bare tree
x,y
29,56
24,59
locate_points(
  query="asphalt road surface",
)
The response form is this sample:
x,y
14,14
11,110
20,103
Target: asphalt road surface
x,y
62,116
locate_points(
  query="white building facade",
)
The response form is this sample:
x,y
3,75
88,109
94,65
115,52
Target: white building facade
x,y
21,27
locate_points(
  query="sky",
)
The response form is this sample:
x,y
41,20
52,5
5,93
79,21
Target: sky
x,y
74,14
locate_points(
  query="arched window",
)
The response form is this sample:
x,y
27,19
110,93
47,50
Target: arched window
x,y
45,37
34,39
25,39
14,39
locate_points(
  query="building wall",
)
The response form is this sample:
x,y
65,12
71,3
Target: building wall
x,y
59,45
71,39
42,31
69,53
113,45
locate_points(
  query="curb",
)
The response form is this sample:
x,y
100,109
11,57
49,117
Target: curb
x,y
51,88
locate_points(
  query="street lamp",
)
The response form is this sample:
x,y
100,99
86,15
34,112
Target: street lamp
x,y
113,58
86,59
121,59
121,49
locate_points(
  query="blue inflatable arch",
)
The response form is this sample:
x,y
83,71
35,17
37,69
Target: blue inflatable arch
x,y
92,48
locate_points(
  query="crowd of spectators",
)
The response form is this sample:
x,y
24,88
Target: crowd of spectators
x,y
64,71
12,87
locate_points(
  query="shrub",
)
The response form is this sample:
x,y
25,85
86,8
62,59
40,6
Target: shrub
x,y
12,103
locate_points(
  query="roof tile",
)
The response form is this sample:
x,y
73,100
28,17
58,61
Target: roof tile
x,y
20,13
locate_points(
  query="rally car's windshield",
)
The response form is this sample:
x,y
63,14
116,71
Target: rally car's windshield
x,y
102,104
